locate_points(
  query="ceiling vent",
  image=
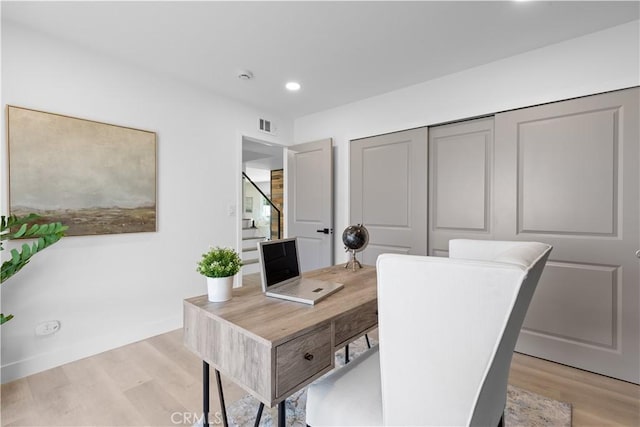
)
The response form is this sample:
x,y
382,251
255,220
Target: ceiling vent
x,y
266,126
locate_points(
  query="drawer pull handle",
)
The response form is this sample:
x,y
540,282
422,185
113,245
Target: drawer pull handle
x,y
308,356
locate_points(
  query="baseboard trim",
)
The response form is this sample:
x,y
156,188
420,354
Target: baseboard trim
x,y
25,367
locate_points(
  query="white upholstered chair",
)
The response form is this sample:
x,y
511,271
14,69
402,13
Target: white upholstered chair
x,y
447,331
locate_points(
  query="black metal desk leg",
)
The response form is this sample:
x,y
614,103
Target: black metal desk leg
x,y
260,408
205,394
346,354
282,418
223,408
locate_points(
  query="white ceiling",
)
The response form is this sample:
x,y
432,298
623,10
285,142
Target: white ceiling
x,y
258,155
339,51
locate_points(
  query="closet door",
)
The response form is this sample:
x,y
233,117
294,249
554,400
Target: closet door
x,y
566,173
388,192
460,183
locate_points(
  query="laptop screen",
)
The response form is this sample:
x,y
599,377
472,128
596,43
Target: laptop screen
x,y
280,261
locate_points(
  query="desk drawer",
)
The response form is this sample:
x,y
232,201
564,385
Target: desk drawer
x,y
354,323
303,357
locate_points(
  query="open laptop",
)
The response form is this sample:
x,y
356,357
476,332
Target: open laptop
x,y
280,272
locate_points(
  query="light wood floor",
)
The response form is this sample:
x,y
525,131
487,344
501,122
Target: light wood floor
x,y
155,381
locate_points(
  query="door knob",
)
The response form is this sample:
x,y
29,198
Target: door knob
x,y
324,230
638,253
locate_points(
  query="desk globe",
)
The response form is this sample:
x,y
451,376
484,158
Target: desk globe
x,y
355,239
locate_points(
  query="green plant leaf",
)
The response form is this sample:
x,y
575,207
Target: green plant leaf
x,y
46,234
26,252
20,232
219,262
15,256
33,230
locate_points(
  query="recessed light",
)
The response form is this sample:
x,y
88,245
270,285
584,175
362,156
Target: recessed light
x,y
292,86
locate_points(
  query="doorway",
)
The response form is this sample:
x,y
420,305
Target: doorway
x,y
261,210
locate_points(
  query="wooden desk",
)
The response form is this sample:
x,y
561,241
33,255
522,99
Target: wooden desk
x,y
272,347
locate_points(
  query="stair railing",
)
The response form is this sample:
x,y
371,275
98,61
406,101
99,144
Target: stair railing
x,y
244,175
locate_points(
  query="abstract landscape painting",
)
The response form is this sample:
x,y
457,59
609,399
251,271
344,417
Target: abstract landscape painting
x,y
94,177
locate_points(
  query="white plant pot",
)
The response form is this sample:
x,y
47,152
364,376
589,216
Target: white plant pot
x,y
219,288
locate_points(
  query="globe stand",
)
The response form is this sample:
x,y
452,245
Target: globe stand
x,y
353,262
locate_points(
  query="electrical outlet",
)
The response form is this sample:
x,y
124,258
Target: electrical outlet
x,y
47,328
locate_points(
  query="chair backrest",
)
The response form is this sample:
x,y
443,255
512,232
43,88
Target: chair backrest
x,y
448,327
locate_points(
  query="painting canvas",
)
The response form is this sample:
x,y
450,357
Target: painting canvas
x,y
94,177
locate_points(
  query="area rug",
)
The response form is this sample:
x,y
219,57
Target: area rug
x,y
524,408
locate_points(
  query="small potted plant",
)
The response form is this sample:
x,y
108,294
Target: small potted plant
x,y
219,265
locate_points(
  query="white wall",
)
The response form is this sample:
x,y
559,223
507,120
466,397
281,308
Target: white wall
x,y
598,62
115,289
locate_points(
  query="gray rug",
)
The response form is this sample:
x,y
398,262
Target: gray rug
x,y
524,408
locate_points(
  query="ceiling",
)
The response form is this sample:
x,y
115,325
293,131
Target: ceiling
x,y
339,51
259,155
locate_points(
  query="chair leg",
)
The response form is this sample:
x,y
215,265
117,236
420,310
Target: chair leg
x,y
366,337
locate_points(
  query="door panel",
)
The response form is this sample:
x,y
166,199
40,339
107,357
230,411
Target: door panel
x,y
388,192
311,253
394,186
566,292
374,250
565,158
460,181
566,173
310,201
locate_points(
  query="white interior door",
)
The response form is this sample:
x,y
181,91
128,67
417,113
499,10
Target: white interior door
x,y
388,192
309,177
